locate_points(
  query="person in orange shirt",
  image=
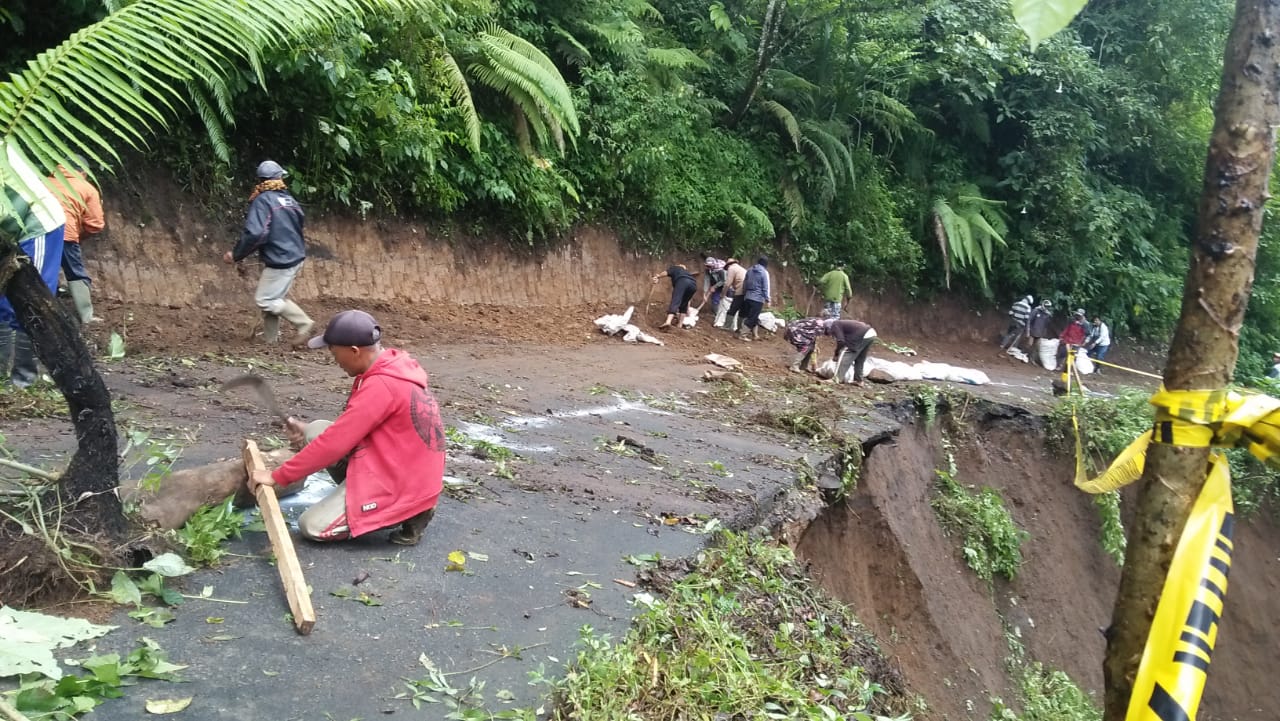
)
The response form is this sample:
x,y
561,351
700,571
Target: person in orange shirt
x,y
82,204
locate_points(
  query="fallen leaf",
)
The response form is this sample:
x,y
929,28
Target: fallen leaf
x,y
477,556
622,582
167,705
214,619
457,561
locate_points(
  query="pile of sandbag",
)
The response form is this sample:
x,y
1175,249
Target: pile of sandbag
x,y
1047,353
690,318
613,323
899,371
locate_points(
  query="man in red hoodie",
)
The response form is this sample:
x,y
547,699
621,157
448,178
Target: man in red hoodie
x,y
386,450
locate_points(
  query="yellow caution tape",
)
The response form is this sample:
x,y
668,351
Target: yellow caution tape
x,y
1175,663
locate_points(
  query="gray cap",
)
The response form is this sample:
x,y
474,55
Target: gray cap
x,y
1080,312
270,170
349,328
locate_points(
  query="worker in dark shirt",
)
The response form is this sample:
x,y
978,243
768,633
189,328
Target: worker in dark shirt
x,y
683,286
853,340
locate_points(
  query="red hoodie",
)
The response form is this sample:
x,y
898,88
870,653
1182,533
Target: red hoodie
x,y
1073,334
391,427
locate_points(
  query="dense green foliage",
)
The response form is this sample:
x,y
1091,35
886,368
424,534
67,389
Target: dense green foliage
x,y
908,139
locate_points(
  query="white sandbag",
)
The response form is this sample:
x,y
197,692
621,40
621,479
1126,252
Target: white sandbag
x,y
770,322
896,370
1047,353
690,318
1084,364
826,369
933,371
611,324
1019,354
972,376
632,333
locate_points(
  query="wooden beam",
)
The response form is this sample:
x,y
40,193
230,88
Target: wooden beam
x,y
295,586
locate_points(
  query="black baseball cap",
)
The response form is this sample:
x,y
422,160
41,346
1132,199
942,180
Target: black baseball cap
x,y
349,328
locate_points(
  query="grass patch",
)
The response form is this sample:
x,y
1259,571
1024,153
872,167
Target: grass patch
x,y
1047,694
992,541
744,635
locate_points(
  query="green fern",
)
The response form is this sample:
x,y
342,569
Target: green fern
x,y
124,77
461,92
512,66
788,120
675,58
967,230
751,222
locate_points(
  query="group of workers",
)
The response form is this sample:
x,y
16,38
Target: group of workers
x,y
65,209
1034,324
740,294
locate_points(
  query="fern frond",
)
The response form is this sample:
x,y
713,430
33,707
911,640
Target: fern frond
x,y
788,120
788,84
835,149
642,9
752,222
509,62
675,58
461,92
212,124
793,199
828,172
576,52
120,79
618,34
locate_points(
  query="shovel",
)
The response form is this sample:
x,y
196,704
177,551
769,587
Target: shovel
x,y
261,388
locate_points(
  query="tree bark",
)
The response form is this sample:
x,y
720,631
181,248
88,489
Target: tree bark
x,y
88,488
1206,343
765,53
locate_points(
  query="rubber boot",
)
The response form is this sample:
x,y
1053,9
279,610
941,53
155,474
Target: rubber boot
x,y
743,335
270,327
80,296
755,332
25,370
410,532
300,320
6,351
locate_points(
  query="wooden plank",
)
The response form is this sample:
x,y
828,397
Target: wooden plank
x,y
295,586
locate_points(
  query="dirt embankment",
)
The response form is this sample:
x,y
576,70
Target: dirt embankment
x,y
885,553
161,249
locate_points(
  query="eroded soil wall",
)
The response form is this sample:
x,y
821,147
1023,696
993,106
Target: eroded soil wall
x,y
885,553
172,257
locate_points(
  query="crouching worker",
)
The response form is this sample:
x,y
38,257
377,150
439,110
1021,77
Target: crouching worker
x,y
386,450
853,340
803,336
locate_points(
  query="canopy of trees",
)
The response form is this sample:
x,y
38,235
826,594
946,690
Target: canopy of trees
x,y
918,142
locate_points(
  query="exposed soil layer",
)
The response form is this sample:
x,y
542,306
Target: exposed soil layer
x,y
885,553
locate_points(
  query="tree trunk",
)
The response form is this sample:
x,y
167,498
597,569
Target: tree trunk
x,y
88,487
765,53
1206,343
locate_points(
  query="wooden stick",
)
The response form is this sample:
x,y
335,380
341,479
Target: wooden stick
x,y
295,586
29,470
9,713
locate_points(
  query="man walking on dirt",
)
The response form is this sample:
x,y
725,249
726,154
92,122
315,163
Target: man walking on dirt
x,y
1019,314
273,229
82,204
386,450
756,294
835,288
731,302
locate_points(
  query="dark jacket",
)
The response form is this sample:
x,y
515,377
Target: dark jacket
x,y
847,332
274,229
1038,325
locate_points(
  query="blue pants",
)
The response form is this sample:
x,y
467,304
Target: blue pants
x,y
73,263
45,252
831,309
1100,352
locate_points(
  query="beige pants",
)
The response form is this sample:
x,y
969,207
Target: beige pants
x,y
327,520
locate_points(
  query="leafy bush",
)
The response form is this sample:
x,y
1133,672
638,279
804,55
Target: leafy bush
x,y
991,540
208,529
745,634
